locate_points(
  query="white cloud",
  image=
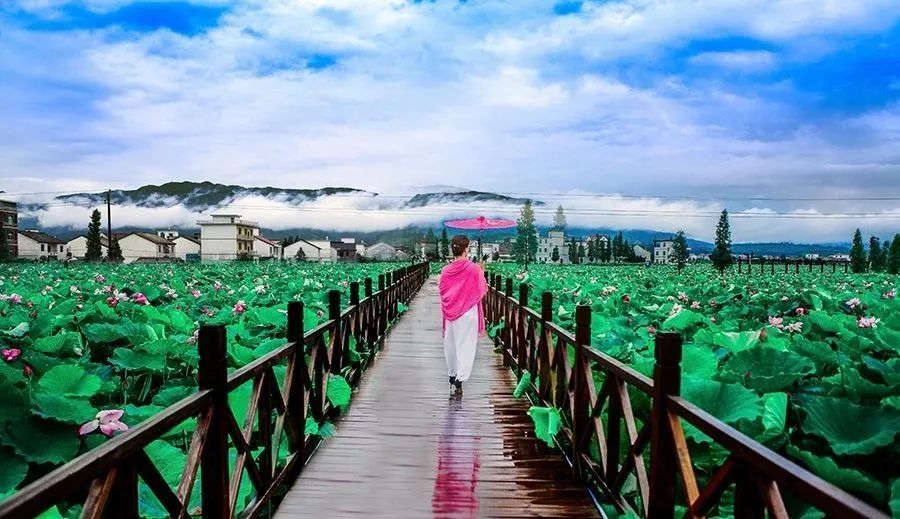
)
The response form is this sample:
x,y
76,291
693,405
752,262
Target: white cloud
x,y
746,61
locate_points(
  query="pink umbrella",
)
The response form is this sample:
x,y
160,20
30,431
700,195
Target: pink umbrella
x,y
480,224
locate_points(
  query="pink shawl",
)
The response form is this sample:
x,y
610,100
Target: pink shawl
x,y
462,286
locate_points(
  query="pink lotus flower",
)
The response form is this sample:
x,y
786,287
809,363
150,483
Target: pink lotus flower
x,y
15,299
651,330
801,311
868,322
683,297
194,338
140,299
99,278
11,354
676,309
777,322
853,303
345,284
196,293
890,294
320,314
695,305
869,285
713,303
784,298
107,421
239,307
713,318
260,289
112,301
626,299
796,327
217,286
27,370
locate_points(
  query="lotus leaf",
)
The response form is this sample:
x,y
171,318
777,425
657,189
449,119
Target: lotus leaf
x,y
850,428
765,369
547,421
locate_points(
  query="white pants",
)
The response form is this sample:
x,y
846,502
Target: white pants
x,y
460,339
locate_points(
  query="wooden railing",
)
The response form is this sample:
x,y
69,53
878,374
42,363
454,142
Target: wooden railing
x,y
106,478
605,458
770,266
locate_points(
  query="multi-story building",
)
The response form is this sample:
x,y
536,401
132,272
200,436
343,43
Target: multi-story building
x,y
226,237
546,245
9,225
662,251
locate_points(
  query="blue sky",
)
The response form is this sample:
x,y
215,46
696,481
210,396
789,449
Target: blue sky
x,y
724,98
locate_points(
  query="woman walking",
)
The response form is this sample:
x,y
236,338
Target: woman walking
x,y
462,286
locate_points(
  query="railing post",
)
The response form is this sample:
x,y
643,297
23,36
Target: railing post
x,y
213,376
546,344
508,332
380,282
580,396
663,458
296,415
522,340
334,313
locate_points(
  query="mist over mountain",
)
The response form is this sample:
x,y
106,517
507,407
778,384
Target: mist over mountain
x,y
332,212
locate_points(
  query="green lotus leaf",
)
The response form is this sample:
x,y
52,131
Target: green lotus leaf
x,y
312,427
134,360
61,408
70,380
60,344
731,403
522,386
848,479
18,330
683,320
895,498
698,361
169,460
172,394
547,422
774,416
102,332
40,441
737,341
850,428
12,470
766,370
338,391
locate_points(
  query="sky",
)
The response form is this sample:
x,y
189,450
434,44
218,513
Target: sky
x,y
733,103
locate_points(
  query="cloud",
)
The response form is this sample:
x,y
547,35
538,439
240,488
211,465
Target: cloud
x,y
659,98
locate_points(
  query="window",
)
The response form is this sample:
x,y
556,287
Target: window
x,y
42,247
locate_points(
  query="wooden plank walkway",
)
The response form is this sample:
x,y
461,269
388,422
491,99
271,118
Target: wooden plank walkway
x,y
406,449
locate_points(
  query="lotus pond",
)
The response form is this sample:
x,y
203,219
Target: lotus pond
x,y
807,364
91,350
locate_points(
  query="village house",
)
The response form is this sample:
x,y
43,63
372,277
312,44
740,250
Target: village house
x,y
76,248
546,245
383,252
145,247
39,246
264,248
311,250
188,248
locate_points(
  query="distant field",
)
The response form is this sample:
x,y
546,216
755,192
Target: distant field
x,y
91,338
808,364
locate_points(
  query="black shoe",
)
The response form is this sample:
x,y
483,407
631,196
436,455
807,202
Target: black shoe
x,y
459,390
452,381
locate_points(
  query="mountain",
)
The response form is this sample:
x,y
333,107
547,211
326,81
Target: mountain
x,y
201,196
463,197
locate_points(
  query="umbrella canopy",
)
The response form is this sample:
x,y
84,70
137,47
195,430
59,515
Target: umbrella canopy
x,y
480,224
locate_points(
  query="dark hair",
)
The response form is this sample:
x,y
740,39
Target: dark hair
x,y
459,245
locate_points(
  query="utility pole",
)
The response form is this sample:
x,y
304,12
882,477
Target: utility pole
x,y
109,235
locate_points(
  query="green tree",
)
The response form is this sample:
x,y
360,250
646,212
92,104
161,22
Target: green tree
x,y
680,249
573,252
527,241
301,254
876,260
555,256
432,245
592,250
94,245
605,251
721,255
618,244
115,251
445,244
893,262
885,254
580,253
858,260
559,219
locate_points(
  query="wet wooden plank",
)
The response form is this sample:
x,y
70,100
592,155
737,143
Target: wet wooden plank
x,y
406,449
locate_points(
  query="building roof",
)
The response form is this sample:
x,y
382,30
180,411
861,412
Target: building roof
x,y
263,239
188,238
42,237
104,242
159,240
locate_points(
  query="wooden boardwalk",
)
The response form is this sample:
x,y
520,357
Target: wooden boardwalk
x,y
406,449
